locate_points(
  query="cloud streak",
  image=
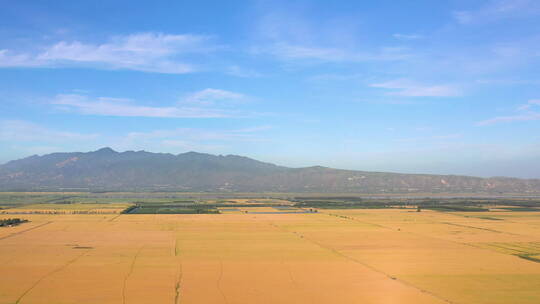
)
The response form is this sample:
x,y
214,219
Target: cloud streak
x,y
246,134
211,96
238,71
105,106
408,36
431,138
529,104
32,138
293,38
497,10
192,138
526,115
23,131
287,51
510,118
406,88
147,52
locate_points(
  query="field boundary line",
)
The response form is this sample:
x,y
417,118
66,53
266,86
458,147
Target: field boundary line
x,y
114,218
58,269
23,231
479,228
129,274
474,227
179,272
430,236
289,272
178,284
219,282
338,253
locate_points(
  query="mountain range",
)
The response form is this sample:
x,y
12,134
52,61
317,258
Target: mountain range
x,y
108,170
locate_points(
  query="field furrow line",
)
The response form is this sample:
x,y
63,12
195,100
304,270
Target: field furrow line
x,y
432,237
132,266
289,272
179,274
115,217
473,227
23,231
62,267
220,277
338,253
178,284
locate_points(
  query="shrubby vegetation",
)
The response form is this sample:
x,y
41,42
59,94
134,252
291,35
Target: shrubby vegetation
x,y
171,210
454,208
129,209
180,207
11,222
439,204
174,202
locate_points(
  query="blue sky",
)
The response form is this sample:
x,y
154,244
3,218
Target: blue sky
x,y
421,86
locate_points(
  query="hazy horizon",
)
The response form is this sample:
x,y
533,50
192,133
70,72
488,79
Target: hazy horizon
x,y
426,87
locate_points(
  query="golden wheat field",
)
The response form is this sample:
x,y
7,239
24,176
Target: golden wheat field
x,y
76,208
333,256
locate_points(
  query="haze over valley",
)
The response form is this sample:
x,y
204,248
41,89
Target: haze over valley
x,y
108,170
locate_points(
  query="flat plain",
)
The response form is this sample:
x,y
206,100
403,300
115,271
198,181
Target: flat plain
x,y
333,256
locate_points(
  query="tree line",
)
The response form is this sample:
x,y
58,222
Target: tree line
x,y
11,222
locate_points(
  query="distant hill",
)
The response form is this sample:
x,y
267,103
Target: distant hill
x,y
108,170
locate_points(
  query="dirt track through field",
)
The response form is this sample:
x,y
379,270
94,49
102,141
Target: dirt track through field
x,y
23,231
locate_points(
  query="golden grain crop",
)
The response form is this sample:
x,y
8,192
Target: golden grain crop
x,y
334,256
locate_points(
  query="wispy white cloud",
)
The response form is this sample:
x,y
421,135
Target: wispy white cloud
x,y
336,77
11,59
526,114
510,118
24,131
247,134
190,145
293,38
288,51
191,138
148,52
106,106
210,96
507,81
238,71
408,36
529,104
27,137
407,88
206,103
497,10
443,137
467,63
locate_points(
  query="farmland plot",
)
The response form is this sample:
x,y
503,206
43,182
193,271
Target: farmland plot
x,y
333,256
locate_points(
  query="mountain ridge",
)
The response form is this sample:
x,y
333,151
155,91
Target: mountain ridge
x,y
108,170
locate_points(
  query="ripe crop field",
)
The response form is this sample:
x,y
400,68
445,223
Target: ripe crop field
x,y
68,208
332,256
